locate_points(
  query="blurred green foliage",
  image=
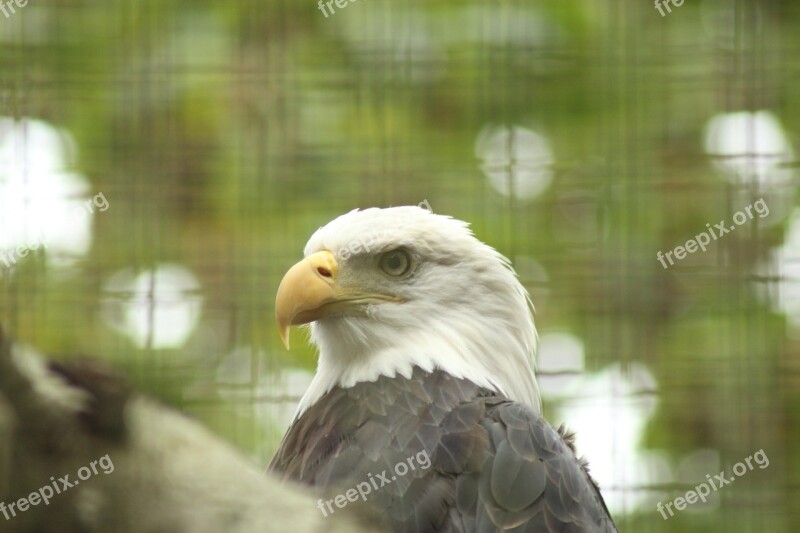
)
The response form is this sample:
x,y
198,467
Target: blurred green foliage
x,y
224,133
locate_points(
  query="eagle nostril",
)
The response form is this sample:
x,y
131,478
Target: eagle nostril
x,y
324,272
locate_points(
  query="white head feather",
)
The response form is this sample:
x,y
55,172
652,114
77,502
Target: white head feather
x,y
465,312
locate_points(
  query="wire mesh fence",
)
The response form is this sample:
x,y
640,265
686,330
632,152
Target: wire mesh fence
x,y
163,163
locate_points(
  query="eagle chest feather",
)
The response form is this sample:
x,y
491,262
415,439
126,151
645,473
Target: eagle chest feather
x,y
471,460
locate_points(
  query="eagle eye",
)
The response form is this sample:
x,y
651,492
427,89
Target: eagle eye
x,y
395,263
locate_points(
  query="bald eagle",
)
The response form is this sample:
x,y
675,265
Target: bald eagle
x,y
424,403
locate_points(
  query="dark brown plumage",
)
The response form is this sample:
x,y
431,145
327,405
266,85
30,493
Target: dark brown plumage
x,y
494,464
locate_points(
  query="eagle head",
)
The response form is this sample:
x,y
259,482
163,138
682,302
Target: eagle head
x,y
386,290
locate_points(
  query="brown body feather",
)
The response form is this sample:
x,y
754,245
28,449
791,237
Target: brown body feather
x,y
494,464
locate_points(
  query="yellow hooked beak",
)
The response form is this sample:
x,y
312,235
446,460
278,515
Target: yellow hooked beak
x,y
309,291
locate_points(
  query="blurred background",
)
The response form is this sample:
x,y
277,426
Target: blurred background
x,y
163,163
